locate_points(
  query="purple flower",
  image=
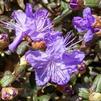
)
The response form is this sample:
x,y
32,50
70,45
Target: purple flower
x,y
35,25
85,24
55,64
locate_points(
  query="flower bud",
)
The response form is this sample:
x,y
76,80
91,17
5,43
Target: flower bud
x,y
82,68
7,79
95,96
8,93
76,4
4,41
68,89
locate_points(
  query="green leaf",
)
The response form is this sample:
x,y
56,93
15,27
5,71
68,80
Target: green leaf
x,y
98,88
87,79
84,93
1,6
96,83
44,98
21,3
60,17
73,79
92,3
64,5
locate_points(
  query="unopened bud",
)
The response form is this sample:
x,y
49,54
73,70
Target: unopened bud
x,y
82,68
7,79
4,41
95,96
8,93
76,4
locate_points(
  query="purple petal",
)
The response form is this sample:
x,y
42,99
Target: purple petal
x,y
42,76
72,69
60,74
36,59
28,10
88,36
74,58
80,24
88,15
41,19
19,16
37,36
51,37
86,12
41,13
16,41
40,24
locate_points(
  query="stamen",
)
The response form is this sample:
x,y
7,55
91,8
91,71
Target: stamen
x,y
49,26
74,44
7,24
67,43
68,36
11,25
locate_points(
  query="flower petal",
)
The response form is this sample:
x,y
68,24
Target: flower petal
x,y
28,10
72,69
80,24
41,13
36,59
73,58
41,20
86,12
15,43
51,37
42,76
60,74
88,36
19,16
88,15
